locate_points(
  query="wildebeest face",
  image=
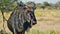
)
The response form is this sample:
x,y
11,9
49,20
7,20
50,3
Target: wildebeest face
x,y
30,11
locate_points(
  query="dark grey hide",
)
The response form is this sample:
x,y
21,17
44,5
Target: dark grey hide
x,y
20,20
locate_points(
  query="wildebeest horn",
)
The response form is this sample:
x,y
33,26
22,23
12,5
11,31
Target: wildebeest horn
x,y
34,6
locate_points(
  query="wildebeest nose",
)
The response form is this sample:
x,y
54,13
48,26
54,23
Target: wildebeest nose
x,y
34,22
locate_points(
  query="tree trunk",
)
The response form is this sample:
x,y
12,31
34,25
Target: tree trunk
x,y
3,22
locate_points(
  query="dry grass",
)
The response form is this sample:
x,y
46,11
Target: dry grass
x,y
46,20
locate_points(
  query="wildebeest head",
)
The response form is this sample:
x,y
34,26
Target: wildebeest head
x,y
30,10
30,17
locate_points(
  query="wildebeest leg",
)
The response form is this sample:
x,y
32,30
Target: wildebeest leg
x,y
28,30
14,31
23,32
13,26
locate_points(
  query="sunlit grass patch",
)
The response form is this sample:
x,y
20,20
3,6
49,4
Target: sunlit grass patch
x,y
44,32
48,13
34,31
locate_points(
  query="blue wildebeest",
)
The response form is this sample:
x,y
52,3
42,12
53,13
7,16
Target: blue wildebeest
x,y
21,19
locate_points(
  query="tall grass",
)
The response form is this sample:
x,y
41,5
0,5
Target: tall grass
x,y
43,32
33,31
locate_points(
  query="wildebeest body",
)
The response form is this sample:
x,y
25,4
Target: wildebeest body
x,y
18,20
21,19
